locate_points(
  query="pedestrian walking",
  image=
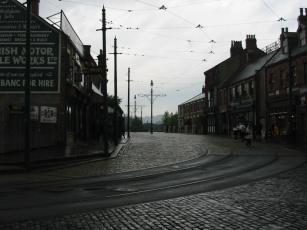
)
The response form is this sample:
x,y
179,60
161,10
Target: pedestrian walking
x,y
248,135
242,131
235,132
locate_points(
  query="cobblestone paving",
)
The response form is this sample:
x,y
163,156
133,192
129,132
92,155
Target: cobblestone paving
x,y
272,204
143,151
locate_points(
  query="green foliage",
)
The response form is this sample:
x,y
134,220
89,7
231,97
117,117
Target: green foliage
x,y
136,125
170,119
111,100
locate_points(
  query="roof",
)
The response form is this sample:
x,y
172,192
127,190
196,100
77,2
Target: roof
x,y
251,69
280,56
196,98
222,71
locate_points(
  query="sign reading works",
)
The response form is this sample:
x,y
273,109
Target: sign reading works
x,y
44,51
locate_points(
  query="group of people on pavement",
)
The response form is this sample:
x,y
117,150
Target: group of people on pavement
x,y
244,132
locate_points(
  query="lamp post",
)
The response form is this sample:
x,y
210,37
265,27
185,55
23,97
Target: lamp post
x,y
27,109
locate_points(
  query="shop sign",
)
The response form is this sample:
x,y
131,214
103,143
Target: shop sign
x,y
44,51
48,114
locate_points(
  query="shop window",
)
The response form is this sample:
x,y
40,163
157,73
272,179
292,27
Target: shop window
x,y
251,87
239,90
233,92
245,89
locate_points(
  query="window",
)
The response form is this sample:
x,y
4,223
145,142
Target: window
x,y
251,87
239,90
271,82
302,38
283,79
246,88
233,92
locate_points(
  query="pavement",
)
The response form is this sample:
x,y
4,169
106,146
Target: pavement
x,y
47,157
278,202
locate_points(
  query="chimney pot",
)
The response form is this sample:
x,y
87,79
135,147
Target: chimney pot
x,y
35,7
286,29
282,30
306,11
301,11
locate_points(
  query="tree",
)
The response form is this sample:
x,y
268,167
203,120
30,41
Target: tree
x,y
111,100
166,118
170,119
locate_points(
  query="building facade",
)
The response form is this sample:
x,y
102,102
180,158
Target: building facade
x,y
220,97
66,98
191,115
266,89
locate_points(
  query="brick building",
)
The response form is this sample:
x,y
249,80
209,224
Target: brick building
x,y
286,85
218,78
267,89
191,115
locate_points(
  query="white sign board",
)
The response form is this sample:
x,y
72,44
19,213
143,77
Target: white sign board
x,y
48,114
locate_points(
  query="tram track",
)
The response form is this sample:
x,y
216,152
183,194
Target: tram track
x,y
209,172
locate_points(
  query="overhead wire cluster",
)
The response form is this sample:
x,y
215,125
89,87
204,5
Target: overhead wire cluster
x,y
188,24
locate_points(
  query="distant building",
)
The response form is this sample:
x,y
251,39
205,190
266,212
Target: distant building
x,y
191,115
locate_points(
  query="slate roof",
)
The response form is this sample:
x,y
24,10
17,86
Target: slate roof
x,y
282,57
196,98
250,70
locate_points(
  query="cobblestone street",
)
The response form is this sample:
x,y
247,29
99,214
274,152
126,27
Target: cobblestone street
x,y
279,202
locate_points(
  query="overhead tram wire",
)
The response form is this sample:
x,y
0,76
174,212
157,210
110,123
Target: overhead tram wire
x,y
270,8
280,19
192,4
111,8
164,8
212,25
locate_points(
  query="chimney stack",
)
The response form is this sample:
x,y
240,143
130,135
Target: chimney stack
x,y
87,50
251,42
236,48
35,7
203,90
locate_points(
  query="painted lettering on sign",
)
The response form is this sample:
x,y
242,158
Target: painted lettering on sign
x,y
44,51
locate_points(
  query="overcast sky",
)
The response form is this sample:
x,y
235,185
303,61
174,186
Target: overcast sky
x,y
167,47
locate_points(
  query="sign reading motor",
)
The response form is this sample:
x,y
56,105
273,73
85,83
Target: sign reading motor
x,y
44,51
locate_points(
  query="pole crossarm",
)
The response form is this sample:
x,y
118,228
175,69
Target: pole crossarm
x,y
155,96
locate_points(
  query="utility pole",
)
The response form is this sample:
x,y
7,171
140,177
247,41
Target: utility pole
x,y
115,119
128,119
142,115
104,83
151,103
27,111
152,99
134,107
